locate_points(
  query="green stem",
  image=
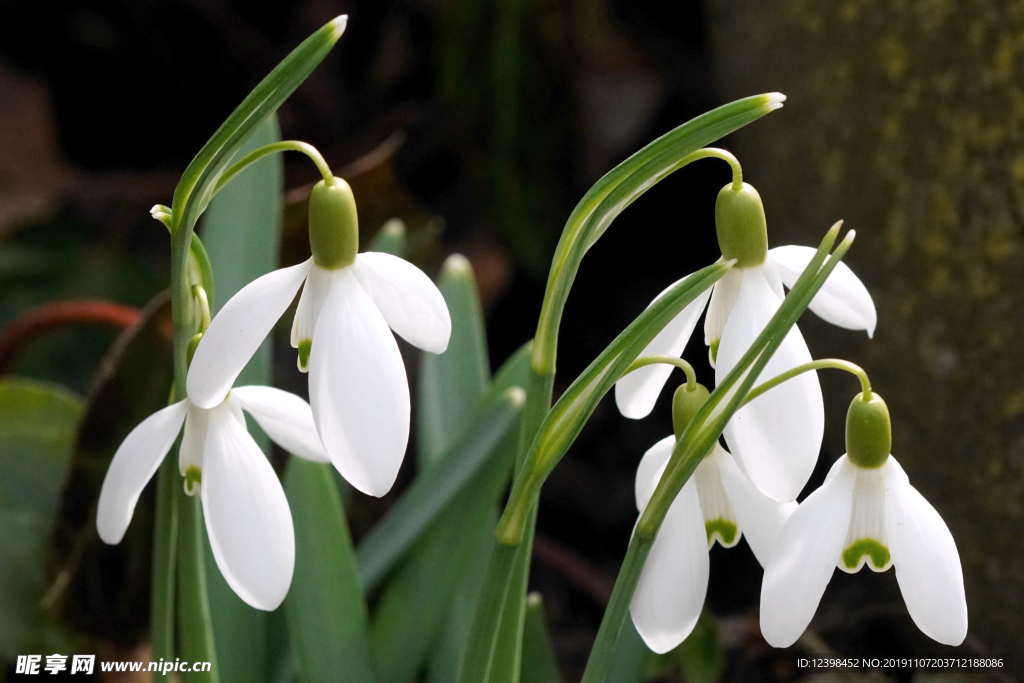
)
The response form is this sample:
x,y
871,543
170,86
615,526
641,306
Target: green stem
x,y
821,364
691,376
194,620
610,632
163,570
274,147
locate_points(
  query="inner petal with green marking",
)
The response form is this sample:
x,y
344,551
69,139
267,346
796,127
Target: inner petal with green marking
x,y
866,551
726,532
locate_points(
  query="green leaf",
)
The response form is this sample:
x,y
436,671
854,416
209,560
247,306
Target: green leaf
x,y
451,384
242,234
450,647
540,665
702,656
450,389
196,638
631,658
390,239
325,606
431,493
37,431
195,188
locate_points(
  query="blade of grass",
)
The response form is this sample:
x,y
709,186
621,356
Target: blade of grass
x,y
325,607
195,626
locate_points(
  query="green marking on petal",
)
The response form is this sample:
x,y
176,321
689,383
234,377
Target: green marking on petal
x,y
727,532
305,346
713,351
876,554
193,478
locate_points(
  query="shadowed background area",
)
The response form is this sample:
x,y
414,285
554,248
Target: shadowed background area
x,y
480,125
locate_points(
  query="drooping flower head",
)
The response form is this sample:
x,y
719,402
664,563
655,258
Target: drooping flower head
x,y
777,436
350,304
866,513
718,504
244,507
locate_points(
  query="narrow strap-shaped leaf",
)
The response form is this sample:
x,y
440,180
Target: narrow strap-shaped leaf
x,y
241,232
429,495
450,388
451,384
540,665
325,605
195,187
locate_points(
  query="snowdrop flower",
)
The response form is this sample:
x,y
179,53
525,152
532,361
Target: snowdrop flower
x,y
357,383
718,504
866,513
244,507
777,436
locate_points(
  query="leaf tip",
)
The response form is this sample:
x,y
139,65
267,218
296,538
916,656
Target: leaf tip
x,y
773,101
337,25
457,264
515,396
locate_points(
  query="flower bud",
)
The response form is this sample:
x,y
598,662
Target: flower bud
x,y
333,224
868,431
685,403
741,226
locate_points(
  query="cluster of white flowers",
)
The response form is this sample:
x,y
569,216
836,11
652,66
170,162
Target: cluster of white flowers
x,y
357,418
864,513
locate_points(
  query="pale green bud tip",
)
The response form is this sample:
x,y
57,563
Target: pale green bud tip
x,y
193,478
333,224
868,431
741,225
685,404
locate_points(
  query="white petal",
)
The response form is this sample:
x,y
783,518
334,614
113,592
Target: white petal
x,y
246,513
670,593
409,300
776,436
133,465
311,302
637,392
760,517
237,331
358,388
927,565
723,296
193,438
843,300
648,472
804,559
286,418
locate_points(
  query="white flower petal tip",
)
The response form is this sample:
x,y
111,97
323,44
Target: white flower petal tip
x,y
246,513
358,388
133,465
237,331
410,302
927,565
637,392
286,418
670,593
805,558
843,300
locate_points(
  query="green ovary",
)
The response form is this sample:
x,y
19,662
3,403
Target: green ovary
x,y
726,531
305,346
877,555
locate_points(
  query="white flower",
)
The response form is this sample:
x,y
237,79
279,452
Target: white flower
x,y
718,503
864,516
244,506
777,436
357,383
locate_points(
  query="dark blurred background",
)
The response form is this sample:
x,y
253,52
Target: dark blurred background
x,y
481,124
